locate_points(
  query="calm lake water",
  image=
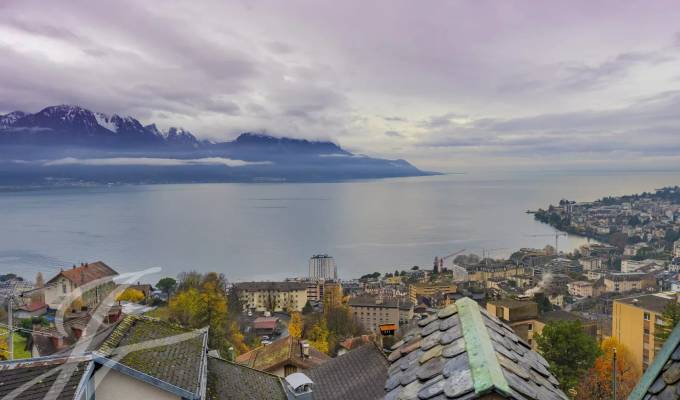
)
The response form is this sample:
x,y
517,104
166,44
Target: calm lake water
x,y
268,231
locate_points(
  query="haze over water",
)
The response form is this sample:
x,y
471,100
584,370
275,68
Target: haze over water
x,y
268,231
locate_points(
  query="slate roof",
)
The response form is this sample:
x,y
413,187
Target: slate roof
x,y
371,301
463,352
264,286
355,375
228,380
661,381
49,377
86,273
652,302
281,352
160,349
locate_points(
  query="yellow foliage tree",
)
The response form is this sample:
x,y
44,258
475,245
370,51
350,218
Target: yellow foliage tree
x,y
597,384
295,326
131,295
185,306
318,336
4,349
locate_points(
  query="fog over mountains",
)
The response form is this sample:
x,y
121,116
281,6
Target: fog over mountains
x,y
67,143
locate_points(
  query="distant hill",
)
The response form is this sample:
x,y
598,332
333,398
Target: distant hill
x,y
69,143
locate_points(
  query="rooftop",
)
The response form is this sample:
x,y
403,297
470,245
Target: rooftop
x,y
56,378
228,380
651,302
160,349
372,301
464,352
280,352
352,375
85,273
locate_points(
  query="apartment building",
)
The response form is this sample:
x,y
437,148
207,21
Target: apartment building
x,y
272,296
519,314
429,290
634,323
372,312
626,282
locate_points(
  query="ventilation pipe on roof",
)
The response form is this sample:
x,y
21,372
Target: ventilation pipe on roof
x,y
298,386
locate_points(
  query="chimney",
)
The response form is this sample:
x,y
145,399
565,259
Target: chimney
x,y
304,349
74,266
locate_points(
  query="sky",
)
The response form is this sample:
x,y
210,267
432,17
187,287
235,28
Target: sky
x,y
452,86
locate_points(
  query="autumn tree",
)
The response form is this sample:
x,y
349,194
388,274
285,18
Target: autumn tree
x,y
318,336
569,350
671,318
597,383
131,295
187,280
4,349
295,326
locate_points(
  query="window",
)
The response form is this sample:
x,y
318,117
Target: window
x,y
530,327
63,287
645,316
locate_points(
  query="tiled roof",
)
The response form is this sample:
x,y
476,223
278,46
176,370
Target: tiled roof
x,y
280,352
355,375
86,273
463,352
372,301
228,380
160,349
662,379
651,302
43,378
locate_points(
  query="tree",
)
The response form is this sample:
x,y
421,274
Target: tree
x,y
4,349
167,285
191,279
185,306
597,383
569,350
131,295
671,318
318,336
295,326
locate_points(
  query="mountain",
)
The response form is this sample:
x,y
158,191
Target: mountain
x,y
68,142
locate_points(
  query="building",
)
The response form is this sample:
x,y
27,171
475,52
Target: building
x,y
634,320
589,326
463,352
272,296
584,289
518,314
96,279
372,312
482,272
430,289
676,249
646,265
590,263
142,358
322,266
283,357
357,375
626,282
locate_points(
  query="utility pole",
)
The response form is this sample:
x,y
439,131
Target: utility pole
x,y
614,374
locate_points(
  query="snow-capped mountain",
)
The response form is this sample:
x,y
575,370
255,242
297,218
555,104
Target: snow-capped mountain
x,y
69,125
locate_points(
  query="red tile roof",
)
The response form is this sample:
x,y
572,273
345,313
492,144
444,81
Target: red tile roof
x,y
86,273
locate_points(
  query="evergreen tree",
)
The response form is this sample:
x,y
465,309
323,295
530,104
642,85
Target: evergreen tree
x,y
671,318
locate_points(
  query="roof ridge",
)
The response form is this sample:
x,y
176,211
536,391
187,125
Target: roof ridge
x,y
243,366
487,374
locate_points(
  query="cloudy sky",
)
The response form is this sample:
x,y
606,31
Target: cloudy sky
x,y
451,86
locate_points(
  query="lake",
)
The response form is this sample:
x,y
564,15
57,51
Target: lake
x,y
269,231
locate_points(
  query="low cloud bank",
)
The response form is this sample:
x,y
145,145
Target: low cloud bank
x,y
148,161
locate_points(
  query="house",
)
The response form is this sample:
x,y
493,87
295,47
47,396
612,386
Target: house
x,y
590,327
464,352
634,322
96,279
265,325
283,357
626,282
662,378
357,375
518,314
584,289
371,312
143,358
272,296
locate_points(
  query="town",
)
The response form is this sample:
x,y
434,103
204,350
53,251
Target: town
x,y
595,322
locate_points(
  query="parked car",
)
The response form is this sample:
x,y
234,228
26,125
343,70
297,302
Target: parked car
x,y
266,342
